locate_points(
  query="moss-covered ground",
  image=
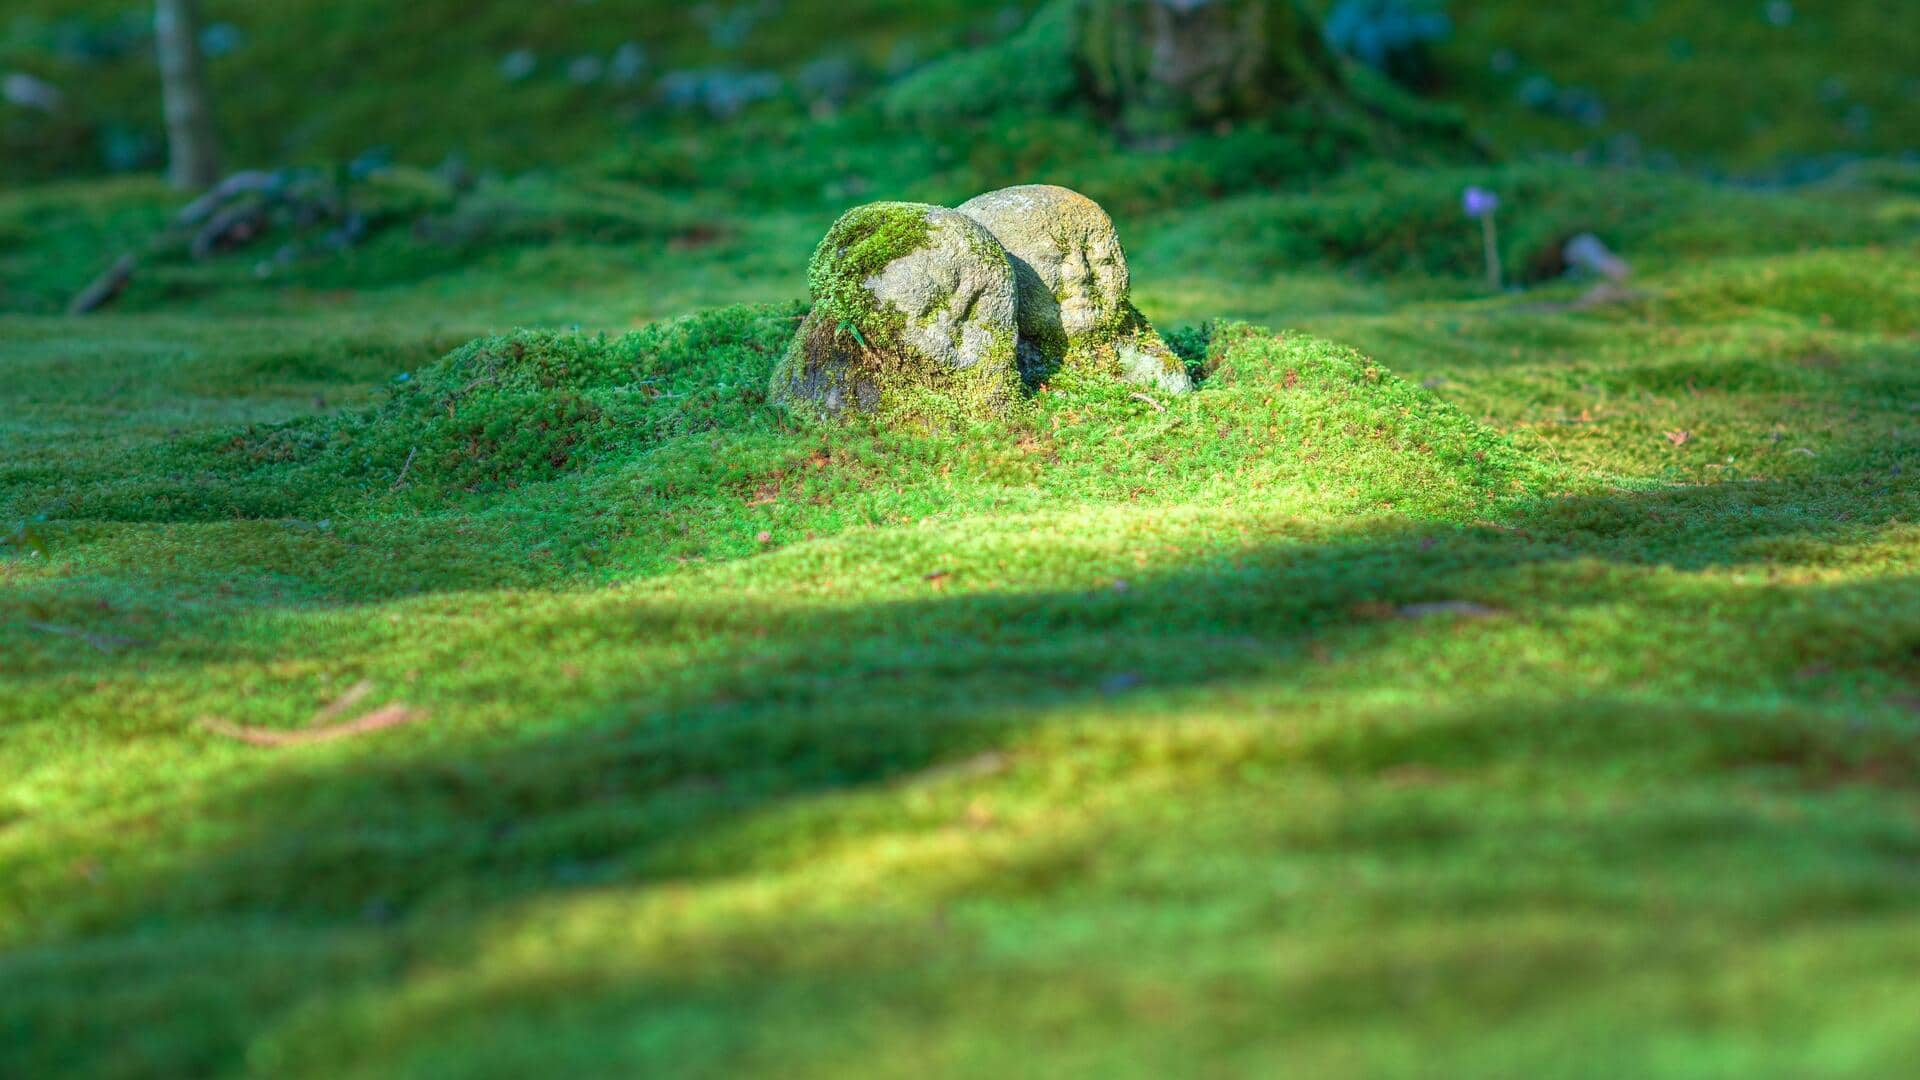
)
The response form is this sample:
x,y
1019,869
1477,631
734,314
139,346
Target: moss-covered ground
x,y
1456,683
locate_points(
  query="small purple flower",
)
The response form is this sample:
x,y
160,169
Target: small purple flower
x,y
1480,203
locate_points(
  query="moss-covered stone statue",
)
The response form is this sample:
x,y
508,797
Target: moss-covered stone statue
x,y
931,315
1074,309
914,318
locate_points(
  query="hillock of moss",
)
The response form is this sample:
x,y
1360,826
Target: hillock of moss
x,y
913,321
667,433
1285,411
1383,221
531,406
1288,419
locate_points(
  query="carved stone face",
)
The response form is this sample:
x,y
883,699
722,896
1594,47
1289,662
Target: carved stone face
x,y
1073,273
1092,274
956,291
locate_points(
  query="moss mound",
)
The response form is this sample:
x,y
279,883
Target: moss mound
x,y
1293,420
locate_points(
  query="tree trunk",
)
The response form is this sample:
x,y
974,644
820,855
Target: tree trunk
x,y
193,152
1168,65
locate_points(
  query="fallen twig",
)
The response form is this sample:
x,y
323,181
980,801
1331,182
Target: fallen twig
x,y
1587,252
106,643
338,706
104,289
1463,608
1149,400
377,720
402,478
990,763
240,183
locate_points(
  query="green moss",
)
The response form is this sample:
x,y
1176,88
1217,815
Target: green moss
x,y
1396,221
1031,72
1652,80
1708,83
861,244
499,414
1124,346
421,104
412,226
1298,624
